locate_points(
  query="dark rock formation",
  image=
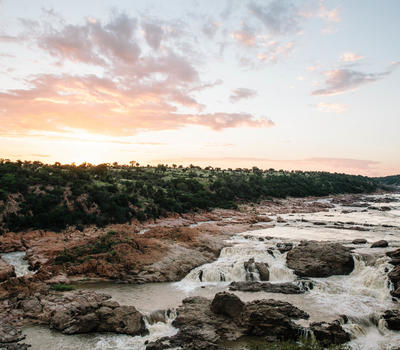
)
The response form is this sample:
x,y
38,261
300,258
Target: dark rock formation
x,y
253,267
359,241
227,304
314,259
392,318
84,312
380,244
329,333
254,286
200,328
284,247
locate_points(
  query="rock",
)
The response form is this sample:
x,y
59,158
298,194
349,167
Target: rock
x,y
284,247
392,318
284,288
312,259
394,276
199,328
10,336
263,271
6,270
59,279
380,244
84,312
359,241
253,267
395,261
227,304
394,254
329,333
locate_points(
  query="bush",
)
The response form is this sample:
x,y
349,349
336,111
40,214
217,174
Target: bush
x,y
61,287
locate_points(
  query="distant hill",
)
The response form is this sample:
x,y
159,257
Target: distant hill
x,y
393,180
39,196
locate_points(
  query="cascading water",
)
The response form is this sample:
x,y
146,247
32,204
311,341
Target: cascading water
x,y
17,260
230,266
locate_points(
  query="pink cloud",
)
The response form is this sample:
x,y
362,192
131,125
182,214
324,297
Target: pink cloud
x,y
350,57
331,107
242,93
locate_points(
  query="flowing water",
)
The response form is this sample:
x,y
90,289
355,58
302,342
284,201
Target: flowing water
x,y
17,260
362,296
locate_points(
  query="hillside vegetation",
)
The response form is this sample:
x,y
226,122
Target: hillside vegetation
x,y
39,196
393,180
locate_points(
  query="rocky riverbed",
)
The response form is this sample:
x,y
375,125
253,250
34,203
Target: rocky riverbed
x,y
328,267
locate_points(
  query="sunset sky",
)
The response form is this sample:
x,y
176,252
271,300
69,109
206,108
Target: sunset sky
x,y
310,85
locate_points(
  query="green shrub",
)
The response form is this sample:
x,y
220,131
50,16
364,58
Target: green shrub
x,y
61,287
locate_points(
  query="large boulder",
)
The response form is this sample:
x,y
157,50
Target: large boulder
x,y
314,259
227,304
201,328
84,312
359,241
329,333
6,270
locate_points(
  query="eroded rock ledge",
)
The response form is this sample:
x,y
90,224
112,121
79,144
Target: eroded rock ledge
x,y
204,324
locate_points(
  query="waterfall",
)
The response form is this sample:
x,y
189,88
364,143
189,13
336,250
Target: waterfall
x,y
17,260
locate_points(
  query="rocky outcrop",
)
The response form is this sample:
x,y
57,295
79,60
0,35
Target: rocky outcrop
x,y
329,333
6,270
254,286
83,312
380,244
202,328
252,267
392,318
284,247
315,259
10,337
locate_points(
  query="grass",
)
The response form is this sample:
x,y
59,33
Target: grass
x,y
61,287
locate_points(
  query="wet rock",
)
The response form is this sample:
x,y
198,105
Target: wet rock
x,y
284,288
394,254
380,244
394,276
359,241
6,270
284,247
200,328
329,333
262,271
253,267
313,259
319,223
84,312
227,304
10,336
392,318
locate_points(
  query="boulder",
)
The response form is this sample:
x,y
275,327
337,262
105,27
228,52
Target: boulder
x,y
254,286
84,312
392,318
10,336
227,304
313,259
284,247
394,276
6,270
253,267
262,271
200,328
395,254
329,333
359,241
380,244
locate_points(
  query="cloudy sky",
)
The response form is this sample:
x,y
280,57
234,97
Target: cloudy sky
x,y
305,84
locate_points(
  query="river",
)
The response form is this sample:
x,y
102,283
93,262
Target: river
x,y
362,295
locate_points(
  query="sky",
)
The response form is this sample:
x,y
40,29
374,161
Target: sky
x,y
297,85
